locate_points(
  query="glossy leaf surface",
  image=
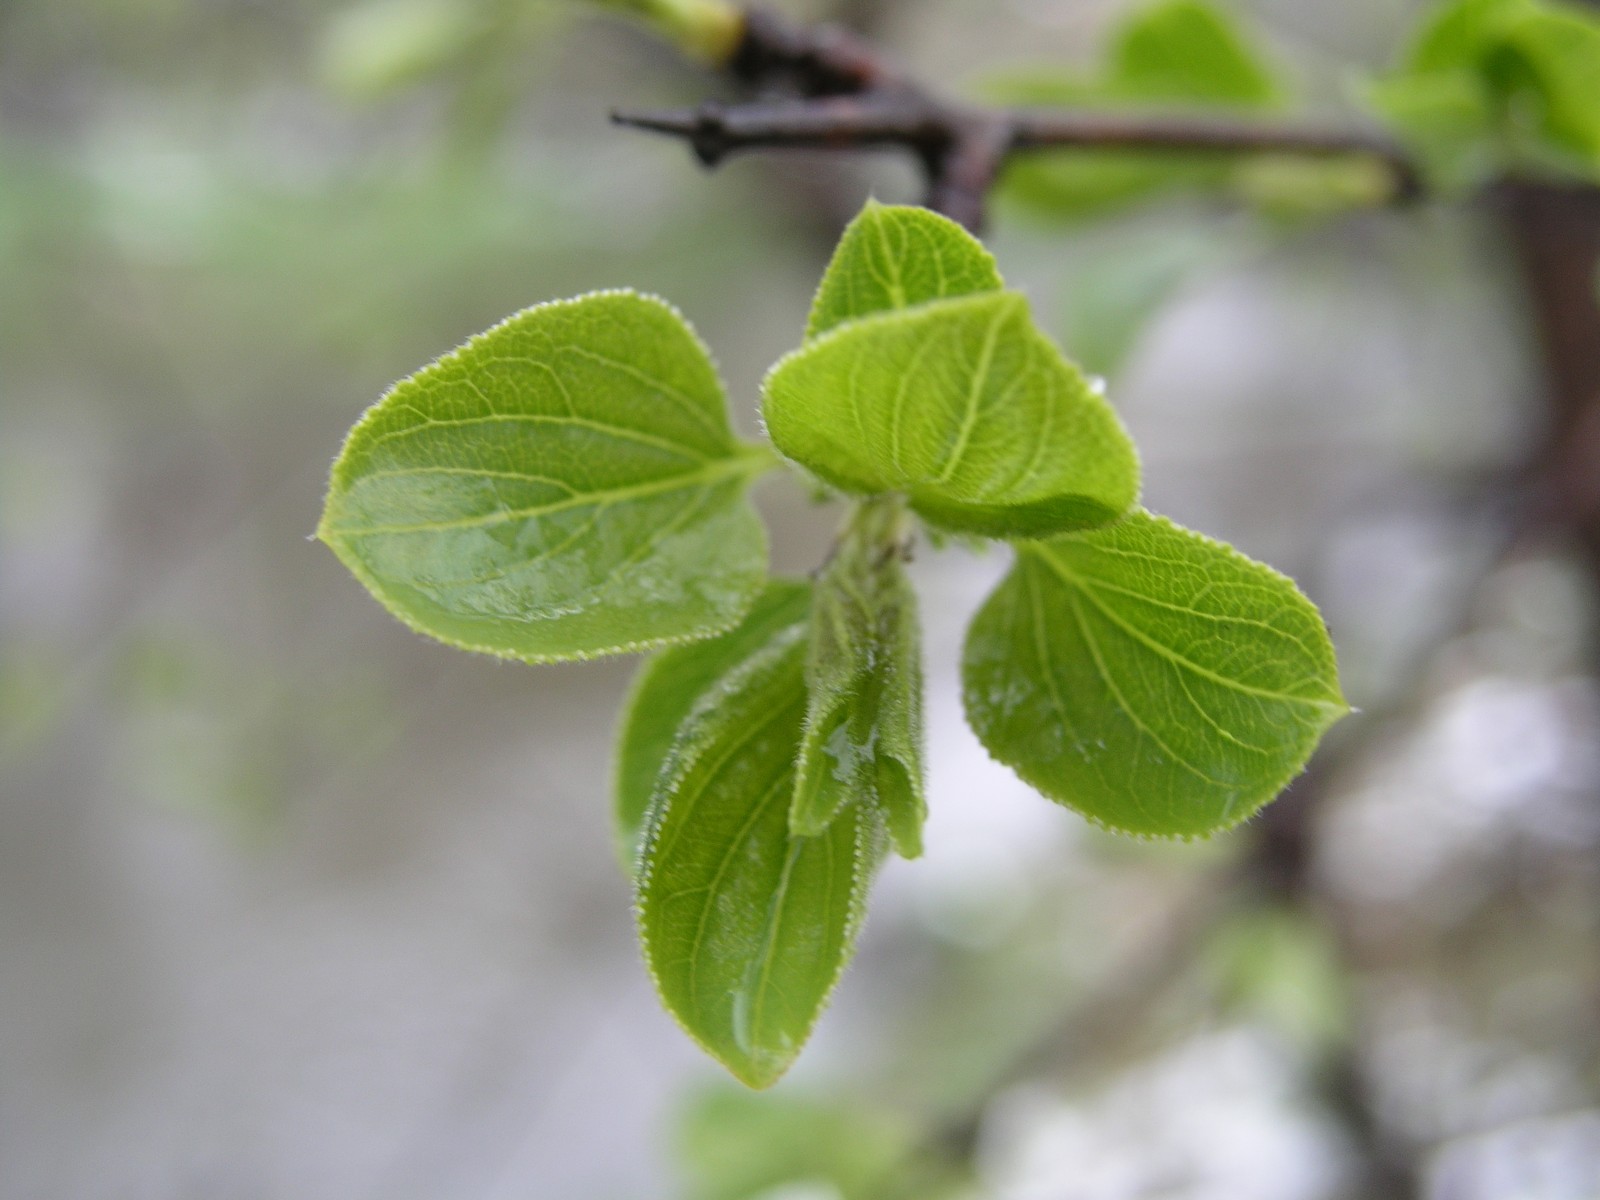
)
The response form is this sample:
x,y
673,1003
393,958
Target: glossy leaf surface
x,y
894,257
863,737
746,928
564,485
1157,681
963,406
669,685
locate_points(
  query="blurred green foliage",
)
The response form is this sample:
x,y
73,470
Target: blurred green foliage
x,y
1495,85
734,1145
1166,55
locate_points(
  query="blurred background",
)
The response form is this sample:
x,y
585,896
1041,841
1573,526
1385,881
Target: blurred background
x,y
294,904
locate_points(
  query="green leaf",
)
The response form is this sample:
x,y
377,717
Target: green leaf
x,y
1555,54
1293,189
707,29
379,46
963,406
1191,51
863,737
893,257
1156,681
1280,966
735,1145
1500,84
746,928
1447,120
669,685
1077,185
1456,35
1181,52
562,486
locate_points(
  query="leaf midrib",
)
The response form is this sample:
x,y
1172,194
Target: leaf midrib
x,y
980,380
1072,580
705,477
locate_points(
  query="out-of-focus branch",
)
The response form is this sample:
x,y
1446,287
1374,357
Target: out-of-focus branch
x,y
1556,232
839,92
907,119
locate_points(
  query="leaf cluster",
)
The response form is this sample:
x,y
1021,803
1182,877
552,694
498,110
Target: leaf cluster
x,y
1492,87
567,485
1172,54
1487,88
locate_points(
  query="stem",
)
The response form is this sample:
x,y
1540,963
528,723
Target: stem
x,y
846,95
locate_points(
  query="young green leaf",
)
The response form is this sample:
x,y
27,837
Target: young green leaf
x,y
1553,54
1182,52
1157,681
1447,120
708,29
893,257
669,685
562,486
746,927
735,1145
1456,34
1192,51
1492,84
963,406
863,737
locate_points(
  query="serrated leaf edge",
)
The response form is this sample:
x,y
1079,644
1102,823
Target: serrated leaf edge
x,y
901,313
1296,769
681,758
759,458
872,208
449,357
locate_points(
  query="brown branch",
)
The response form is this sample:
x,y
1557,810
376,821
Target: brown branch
x,y
823,60
843,94
715,130
1555,230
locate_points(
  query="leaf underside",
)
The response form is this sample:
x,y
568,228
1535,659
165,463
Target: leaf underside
x,y
1158,682
669,686
863,733
564,485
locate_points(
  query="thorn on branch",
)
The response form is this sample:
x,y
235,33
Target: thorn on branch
x,y
845,95
714,130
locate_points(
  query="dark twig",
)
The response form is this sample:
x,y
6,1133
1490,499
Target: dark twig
x,y
824,60
905,118
841,93
715,130
1044,129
